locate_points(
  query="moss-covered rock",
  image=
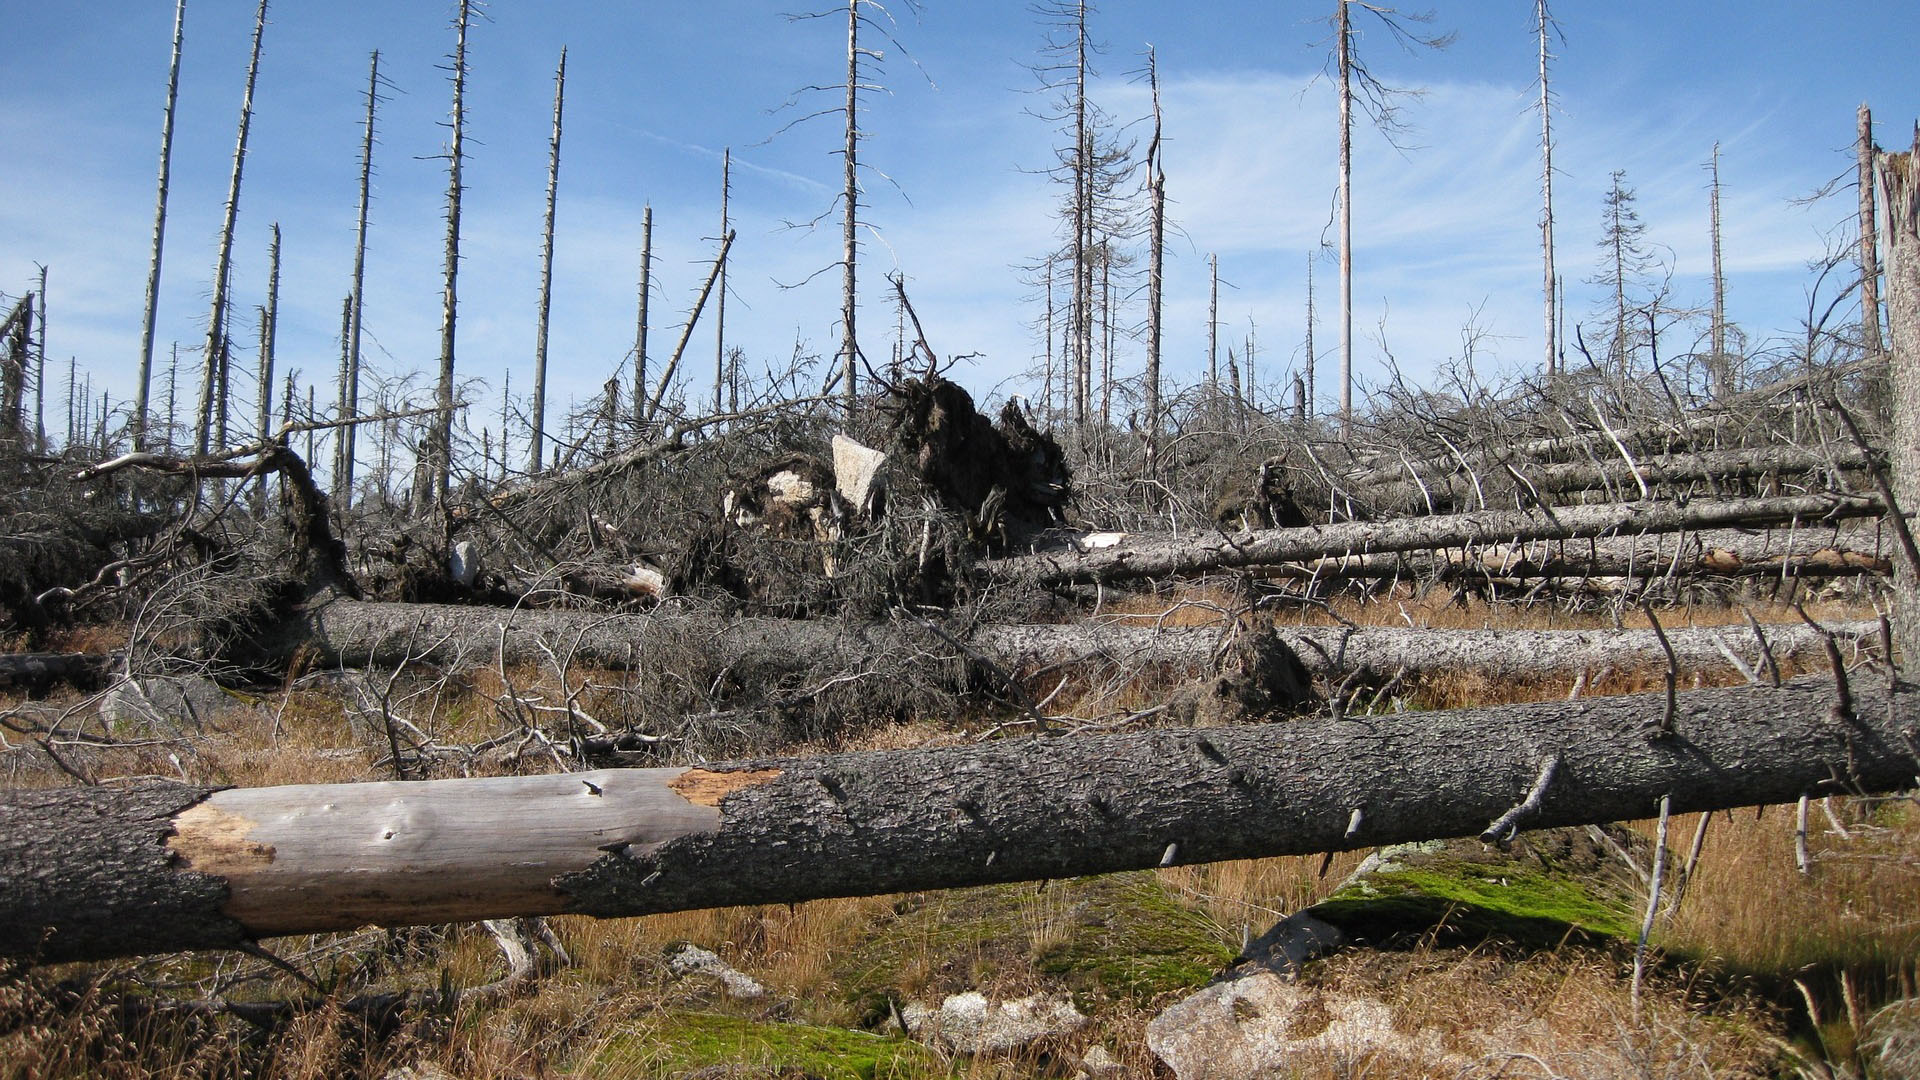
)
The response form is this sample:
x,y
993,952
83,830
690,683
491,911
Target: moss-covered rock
x,y
676,1044
1548,886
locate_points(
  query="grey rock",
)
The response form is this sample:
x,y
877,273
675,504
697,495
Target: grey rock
x,y
694,960
969,1023
168,705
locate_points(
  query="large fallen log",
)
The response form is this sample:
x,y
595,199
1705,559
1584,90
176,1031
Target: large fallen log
x,y
364,634
1141,557
1444,485
100,872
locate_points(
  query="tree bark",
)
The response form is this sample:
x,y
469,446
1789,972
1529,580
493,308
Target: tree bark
x,y
97,873
1441,486
1145,557
1898,179
364,634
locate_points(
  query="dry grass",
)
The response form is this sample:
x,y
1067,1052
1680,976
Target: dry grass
x,y
1750,920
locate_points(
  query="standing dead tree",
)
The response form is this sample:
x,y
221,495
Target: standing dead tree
x,y
436,464
343,464
159,232
537,411
213,371
1356,81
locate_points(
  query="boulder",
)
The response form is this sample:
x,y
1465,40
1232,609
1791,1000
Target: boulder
x,y
969,1023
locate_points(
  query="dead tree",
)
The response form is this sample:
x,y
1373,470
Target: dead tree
x,y
213,367
538,409
640,331
343,465
1145,557
1897,175
1869,246
1543,24
436,465
98,872
159,233
269,325
1157,190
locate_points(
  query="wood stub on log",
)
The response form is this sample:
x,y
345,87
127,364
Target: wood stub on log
x,y
1143,557
96,873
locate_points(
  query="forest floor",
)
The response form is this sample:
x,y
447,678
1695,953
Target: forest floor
x,y
1767,968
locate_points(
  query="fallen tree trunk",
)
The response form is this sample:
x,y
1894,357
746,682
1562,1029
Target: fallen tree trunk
x,y
36,673
1142,557
355,634
96,872
1443,485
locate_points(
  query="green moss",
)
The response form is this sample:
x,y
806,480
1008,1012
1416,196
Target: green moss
x,y
1130,938
1114,936
675,1043
1519,903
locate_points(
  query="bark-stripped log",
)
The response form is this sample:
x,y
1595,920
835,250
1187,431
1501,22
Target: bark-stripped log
x,y
1443,485
1142,557
96,872
355,634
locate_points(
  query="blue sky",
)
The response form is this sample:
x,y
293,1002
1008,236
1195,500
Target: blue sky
x,y
655,91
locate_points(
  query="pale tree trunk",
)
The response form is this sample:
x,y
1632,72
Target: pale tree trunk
x,y
1213,322
538,410
720,301
1343,32
1308,388
1144,556
269,326
686,335
159,232
350,397
1898,180
1722,370
1869,246
437,462
103,872
849,237
640,330
1157,185
1082,229
212,378
1544,22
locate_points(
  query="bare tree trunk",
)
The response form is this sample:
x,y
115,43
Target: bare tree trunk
x,y
1721,372
720,301
1157,185
1343,32
640,331
849,238
538,415
211,378
1082,229
437,461
1869,246
1150,557
1213,322
1897,176
1311,406
18,338
686,335
1544,22
101,872
269,326
159,231
350,398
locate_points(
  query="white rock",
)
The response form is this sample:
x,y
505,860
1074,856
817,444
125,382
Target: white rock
x,y
1261,1025
1096,541
694,960
970,1024
856,471
463,565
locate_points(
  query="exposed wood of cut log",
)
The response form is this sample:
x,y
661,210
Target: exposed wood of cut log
x,y
1143,557
101,872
